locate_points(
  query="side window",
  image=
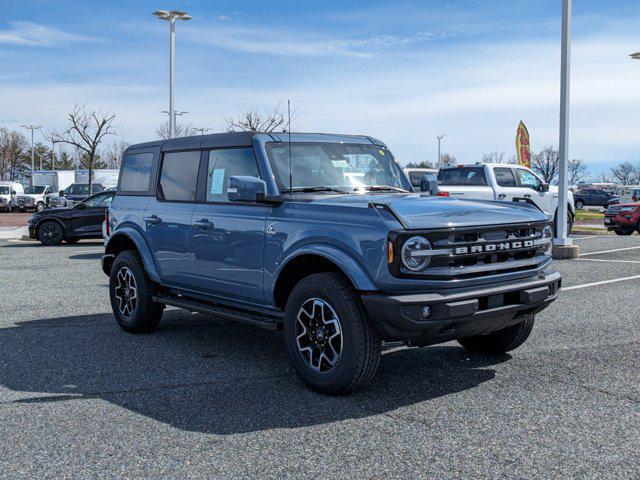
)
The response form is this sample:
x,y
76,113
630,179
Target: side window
x,y
225,163
528,179
179,176
504,177
136,172
416,178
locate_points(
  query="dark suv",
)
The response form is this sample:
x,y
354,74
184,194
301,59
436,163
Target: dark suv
x,y
321,236
594,197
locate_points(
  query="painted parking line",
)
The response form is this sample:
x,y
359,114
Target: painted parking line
x,y
603,282
610,251
606,261
586,237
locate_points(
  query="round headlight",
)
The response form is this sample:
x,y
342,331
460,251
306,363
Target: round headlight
x,y
548,233
415,255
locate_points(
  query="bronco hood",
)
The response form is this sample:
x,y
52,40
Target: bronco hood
x,y
420,211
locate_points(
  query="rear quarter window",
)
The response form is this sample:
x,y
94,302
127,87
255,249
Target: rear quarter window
x,y
136,172
468,176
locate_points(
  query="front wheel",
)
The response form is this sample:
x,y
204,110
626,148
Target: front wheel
x,y
501,341
330,340
623,232
130,291
40,206
50,233
569,223
579,204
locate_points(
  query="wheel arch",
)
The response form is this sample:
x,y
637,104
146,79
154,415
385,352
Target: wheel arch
x,y
50,219
312,261
130,239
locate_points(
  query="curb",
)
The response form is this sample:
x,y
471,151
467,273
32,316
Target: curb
x,y
576,231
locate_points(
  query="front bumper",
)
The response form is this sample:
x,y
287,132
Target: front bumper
x,y
459,315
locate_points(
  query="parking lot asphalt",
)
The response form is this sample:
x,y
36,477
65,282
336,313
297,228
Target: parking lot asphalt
x,y
207,398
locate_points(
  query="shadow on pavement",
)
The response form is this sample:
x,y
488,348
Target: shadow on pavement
x,y
202,374
87,256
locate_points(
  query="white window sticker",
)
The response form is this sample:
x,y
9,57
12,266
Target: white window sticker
x,y
340,163
217,181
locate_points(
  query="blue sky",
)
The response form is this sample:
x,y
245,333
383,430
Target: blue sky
x,y
403,71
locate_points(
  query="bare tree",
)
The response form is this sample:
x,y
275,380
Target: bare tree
x,y
446,160
182,130
493,157
626,173
253,121
423,164
546,163
113,153
85,130
577,171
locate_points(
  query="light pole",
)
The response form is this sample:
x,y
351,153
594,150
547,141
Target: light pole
x,y
202,130
439,137
565,64
53,154
32,128
175,114
171,16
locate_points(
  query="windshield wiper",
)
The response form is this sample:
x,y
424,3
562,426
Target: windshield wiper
x,y
385,188
313,189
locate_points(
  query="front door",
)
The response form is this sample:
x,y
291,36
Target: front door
x,y
531,191
167,218
89,215
227,242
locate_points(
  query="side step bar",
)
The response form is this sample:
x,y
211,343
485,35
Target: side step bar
x,y
219,311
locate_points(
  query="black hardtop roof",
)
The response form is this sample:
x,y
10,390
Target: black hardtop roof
x,y
228,139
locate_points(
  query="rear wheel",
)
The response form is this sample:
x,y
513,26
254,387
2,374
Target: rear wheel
x,y
579,204
623,232
130,291
50,233
330,340
500,342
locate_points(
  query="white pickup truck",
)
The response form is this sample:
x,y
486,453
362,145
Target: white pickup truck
x,y
502,182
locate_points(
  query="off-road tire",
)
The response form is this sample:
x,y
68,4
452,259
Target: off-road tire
x,y
501,341
361,343
50,233
146,314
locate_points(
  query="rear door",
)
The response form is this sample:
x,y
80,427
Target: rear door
x,y
167,216
227,243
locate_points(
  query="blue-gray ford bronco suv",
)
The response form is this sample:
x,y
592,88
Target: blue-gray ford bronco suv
x,y
320,236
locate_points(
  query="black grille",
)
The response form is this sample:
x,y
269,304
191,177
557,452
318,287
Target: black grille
x,y
452,262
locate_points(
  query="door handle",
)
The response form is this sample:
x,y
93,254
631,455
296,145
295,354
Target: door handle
x,y
153,220
502,195
204,224
527,195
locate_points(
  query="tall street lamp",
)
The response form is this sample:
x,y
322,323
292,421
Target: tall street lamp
x,y
171,16
175,114
439,137
32,128
202,130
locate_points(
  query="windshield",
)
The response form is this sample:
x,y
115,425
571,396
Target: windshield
x,y
34,190
339,166
5,190
78,189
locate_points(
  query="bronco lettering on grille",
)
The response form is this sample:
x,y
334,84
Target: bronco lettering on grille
x,y
493,247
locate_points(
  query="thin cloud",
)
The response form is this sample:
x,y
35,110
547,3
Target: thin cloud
x,y
260,40
36,35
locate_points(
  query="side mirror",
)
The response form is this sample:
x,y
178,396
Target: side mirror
x,y
544,187
13,192
429,183
246,189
